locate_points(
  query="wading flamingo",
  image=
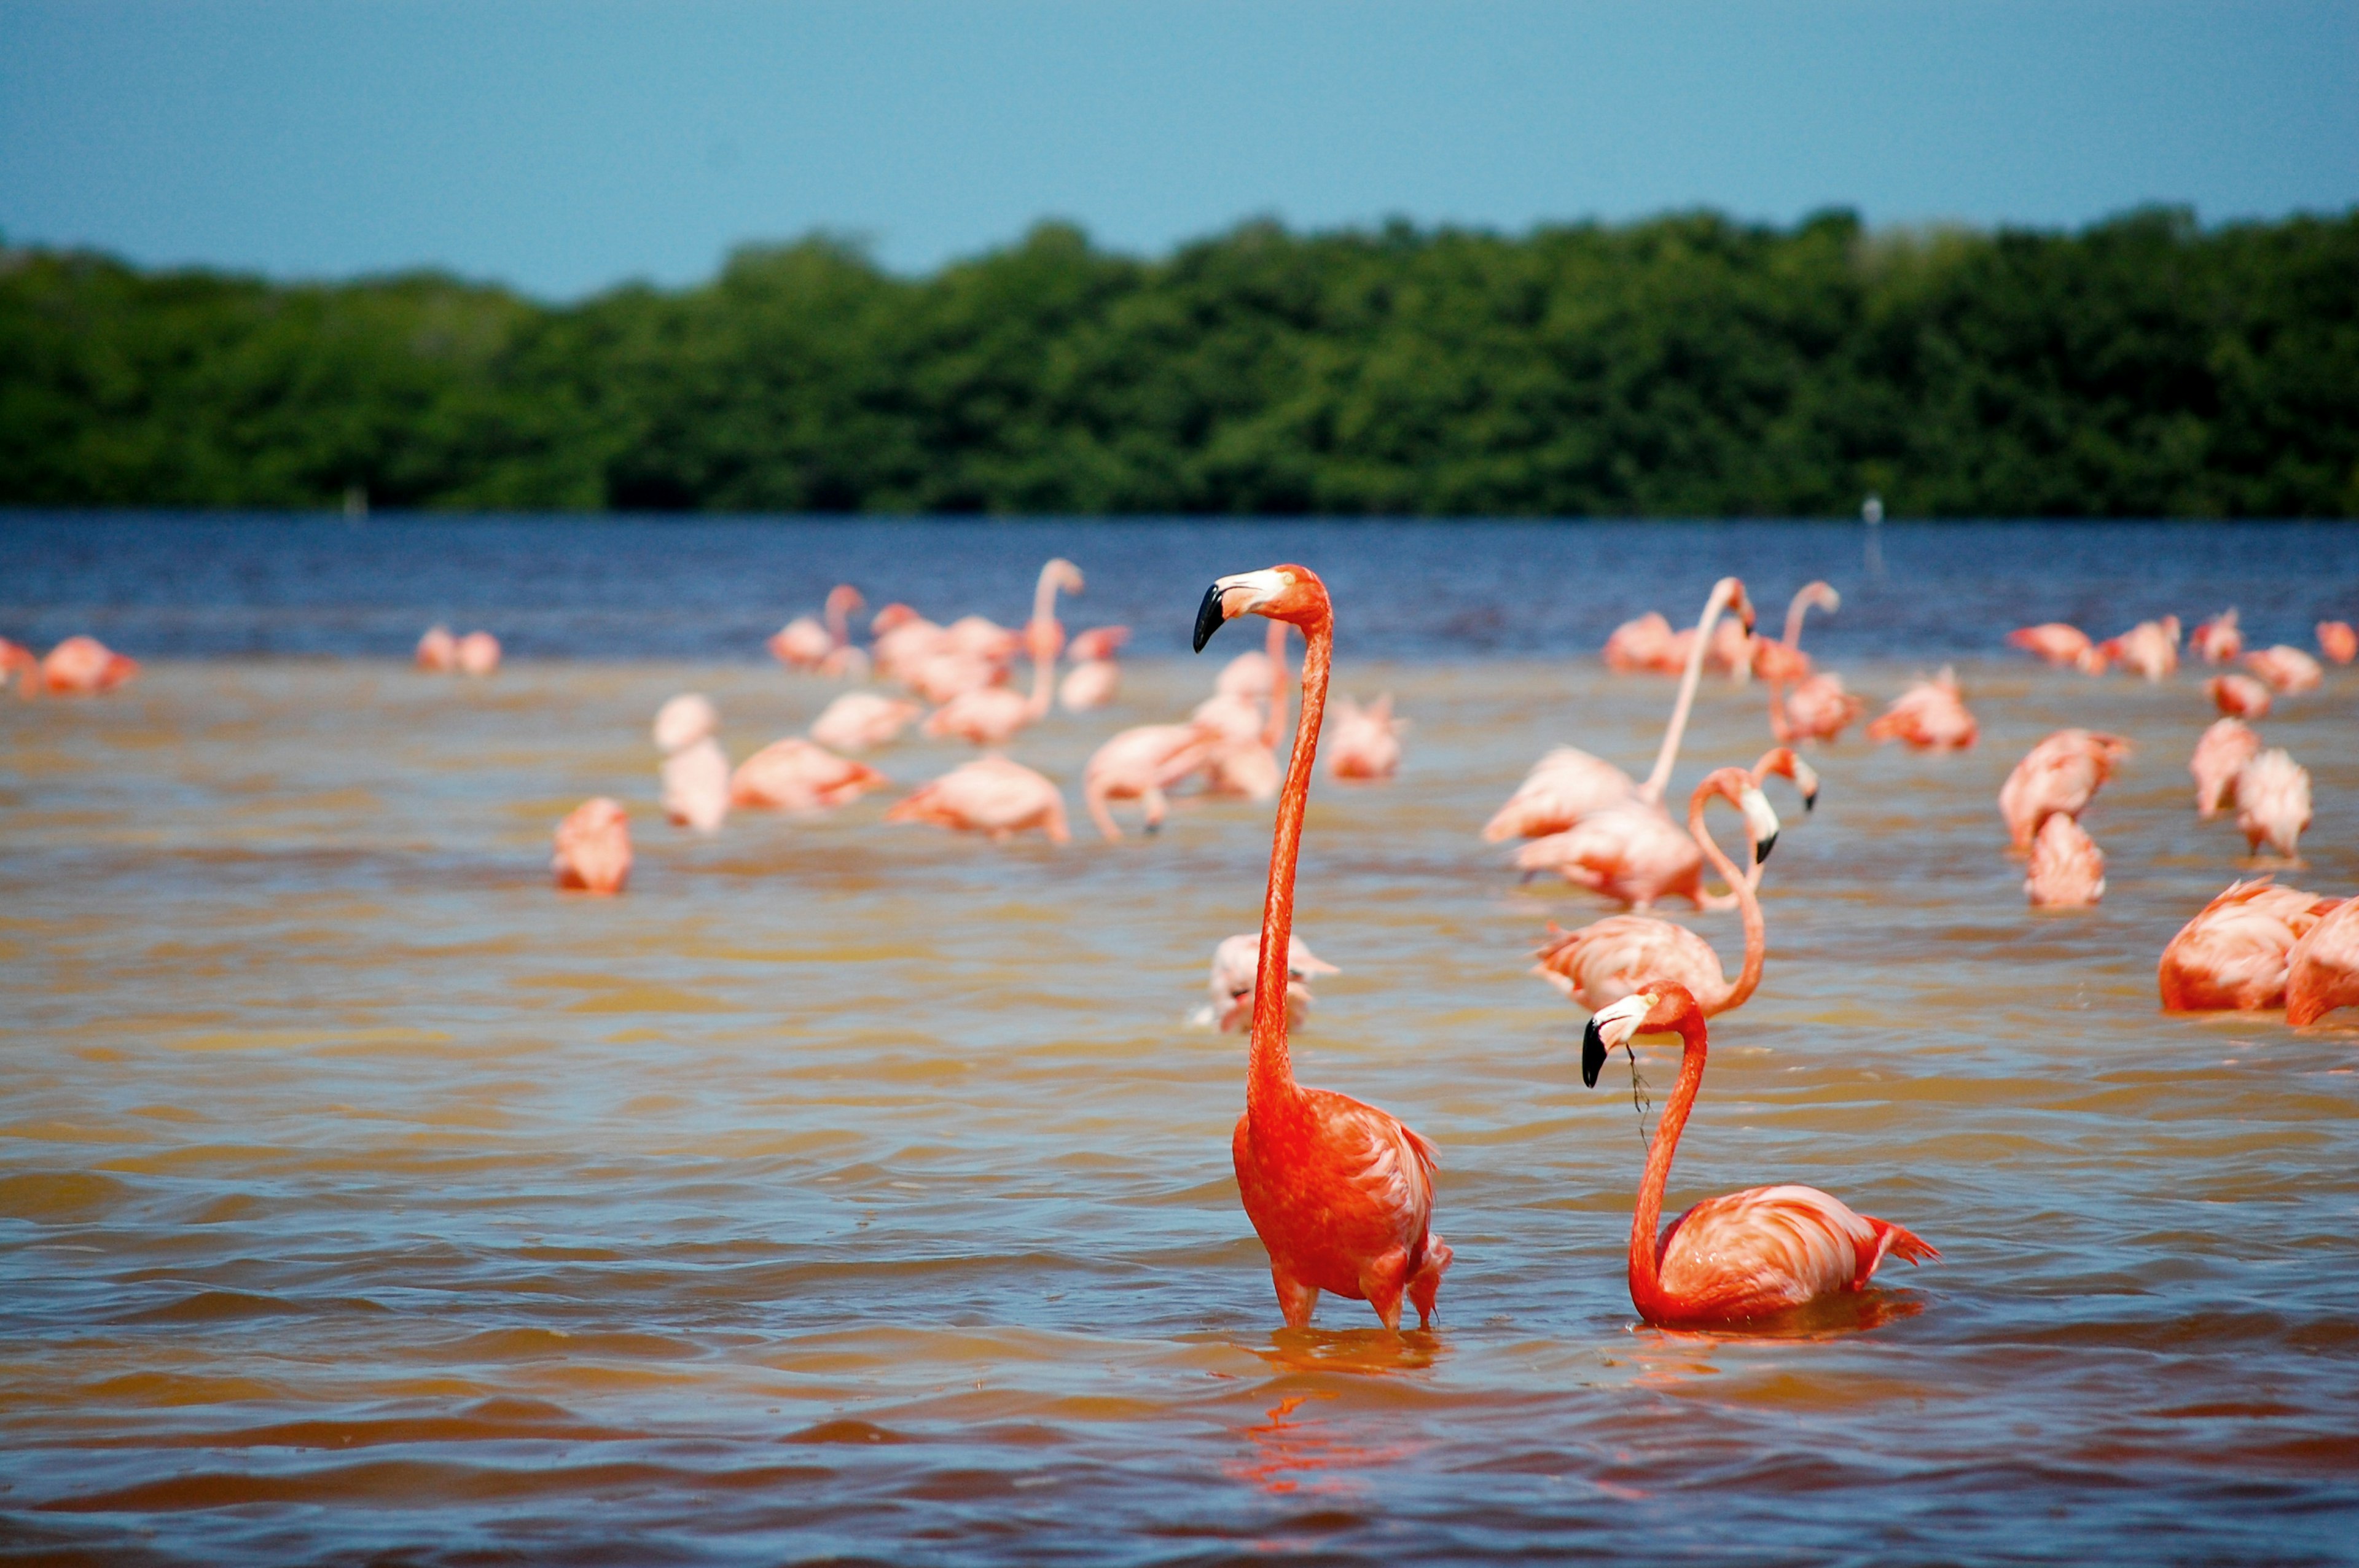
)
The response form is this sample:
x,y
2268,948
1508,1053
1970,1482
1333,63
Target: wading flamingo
x,y
989,716
2273,801
2219,756
1746,1255
1340,1193
1818,709
2286,668
804,644
2219,640
862,721
990,794
83,667
593,847
2151,648
1569,784
2338,642
1642,644
2233,955
1637,855
1094,677
2067,869
2323,970
1728,648
695,769
1783,659
1139,764
1368,741
1245,762
900,639
2059,774
437,650
795,774
478,653
1624,954
2065,647
16,657
2239,696
1231,983
1930,716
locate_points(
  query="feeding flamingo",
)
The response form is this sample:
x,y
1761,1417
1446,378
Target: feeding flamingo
x,y
2218,641
2239,696
795,775
2286,668
1139,764
1930,715
862,721
2219,755
1231,983
1642,643
83,667
478,653
695,770
2067,871
1569,784
1094,677
1816,709
989,716
1368,741
2059,774
593,847
2151,648
2235,954
437,650
2273,801
1340,1193
2338,642
2059,645
1746,1255
990,794
2323,970
1636,854
1624,954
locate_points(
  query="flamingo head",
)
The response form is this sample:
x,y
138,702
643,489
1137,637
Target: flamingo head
x,y
1288,593
845,597
1064,574
1655,1010
1822,596
1736,785
1730,592
1782,760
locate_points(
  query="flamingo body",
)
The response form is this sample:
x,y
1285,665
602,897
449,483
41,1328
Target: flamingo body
x,y
1642,644
685,719
593,847
2233,956
696,786
1816,709
795,775
2059,774
437,650
862,721
2338,642
1368,741
2273,801
1631,853
2219,640
1091,683
2067,869
2053,641
479,654
986,716
2238,696
2323,970
2219,755
2151,648
1563,787
991,795
1139,764
1930,715
2285,668
84,667
801,643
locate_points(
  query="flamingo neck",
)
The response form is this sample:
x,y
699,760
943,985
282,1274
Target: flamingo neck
x,y
1749,905
1275,725
1779,729
838,631
1044,620
1645,1268
1269,1075
1794,613
1651,792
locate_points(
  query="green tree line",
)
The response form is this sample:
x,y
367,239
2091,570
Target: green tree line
x,y
1685,365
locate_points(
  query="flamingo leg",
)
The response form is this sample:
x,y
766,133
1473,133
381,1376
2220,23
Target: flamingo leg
x,y
1295,1299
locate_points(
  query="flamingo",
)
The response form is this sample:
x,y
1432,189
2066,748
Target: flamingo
x,y
1094,677
2323,970
862,721
2239,696
2151,648
1622,953
947,674
1816,709
437,650
1783,660
1930,715
2286,668
2338,642
900,639
1232,984
2059,645
1636,854
2233,956
478,653
989,716
16,656
1340,1193
1728,648
83,667
593,847
2273,801
2067,870
2218,640
1368,741
1569,784
1139,764
1642,644
1245,763
1746,1255
2059,774
695,770
2219,756
804,644
980,637
795,775
990,794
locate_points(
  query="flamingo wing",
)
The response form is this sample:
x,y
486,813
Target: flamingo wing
x,y
1768,1249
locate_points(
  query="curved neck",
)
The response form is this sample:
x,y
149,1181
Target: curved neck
x,y
839,605
1646,1268
1779,729
1044,593
1269,1076
1275,725
1748,905
1651,792
1803,599
1042,628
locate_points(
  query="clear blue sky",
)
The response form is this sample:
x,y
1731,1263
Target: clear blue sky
x,y
563,147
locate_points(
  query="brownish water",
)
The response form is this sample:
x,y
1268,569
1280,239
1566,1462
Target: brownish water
x,y
855,1191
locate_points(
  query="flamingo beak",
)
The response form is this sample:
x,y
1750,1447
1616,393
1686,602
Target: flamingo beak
x,y
1209,616
1593,1054
1762,821
1610,1027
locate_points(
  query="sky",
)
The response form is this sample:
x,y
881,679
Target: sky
x,y
565,147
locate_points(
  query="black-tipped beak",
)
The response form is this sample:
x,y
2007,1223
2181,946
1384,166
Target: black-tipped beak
x,y
1593,1054
1810,802
1208,616
1761,850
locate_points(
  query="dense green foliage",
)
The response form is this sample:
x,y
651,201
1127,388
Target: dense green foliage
x,y
1685,365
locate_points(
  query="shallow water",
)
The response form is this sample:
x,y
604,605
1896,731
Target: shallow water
x,y
858,1191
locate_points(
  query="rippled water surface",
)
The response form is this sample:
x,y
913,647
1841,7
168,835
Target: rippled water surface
x,y
854,1192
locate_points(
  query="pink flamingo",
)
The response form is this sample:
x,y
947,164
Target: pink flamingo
x,y
1930,715
900,639
1094,677
989,716
2151,648
1232,985
990,794
980,637
2067,869
2273,801
2233,956
1636,854
1783,659
1728,648
1818,708
83,667
1340,1193
437,650
1746,1255
2059,774
1622,953
2219,756
862,721
2239,696
478,653
1245,762
1568,784
1642,644
16,657
1368,741
593,847
2323,970
695,770
1139,764
2219,640
2063,645
804,644
2286,668
795,774
2338,642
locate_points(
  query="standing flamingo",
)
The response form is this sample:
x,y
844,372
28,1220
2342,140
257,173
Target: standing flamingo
x,y
1245,763
2063,645
593,847
1636,854
804,644
478,653
2219,756
1094,677
2151,648
437,650
989,716
1818,708
900,639
83,667
862,721
1930,715
1746,1255
2338,642
695,770
2286,668
2059,774
1139,764
2067,870
1642,644
1231,983
795,774
1624,954
2323,970
1340,1193
1783,660
2273,801
2219,640
1368,741
990,794
2239,696
2233,955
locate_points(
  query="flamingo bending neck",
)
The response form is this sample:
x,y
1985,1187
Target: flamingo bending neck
x,y
1645,1263
1728,784
1044,634
1728,590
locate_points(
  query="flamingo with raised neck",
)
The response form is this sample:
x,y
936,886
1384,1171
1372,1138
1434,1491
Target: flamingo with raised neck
x,y
991,715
